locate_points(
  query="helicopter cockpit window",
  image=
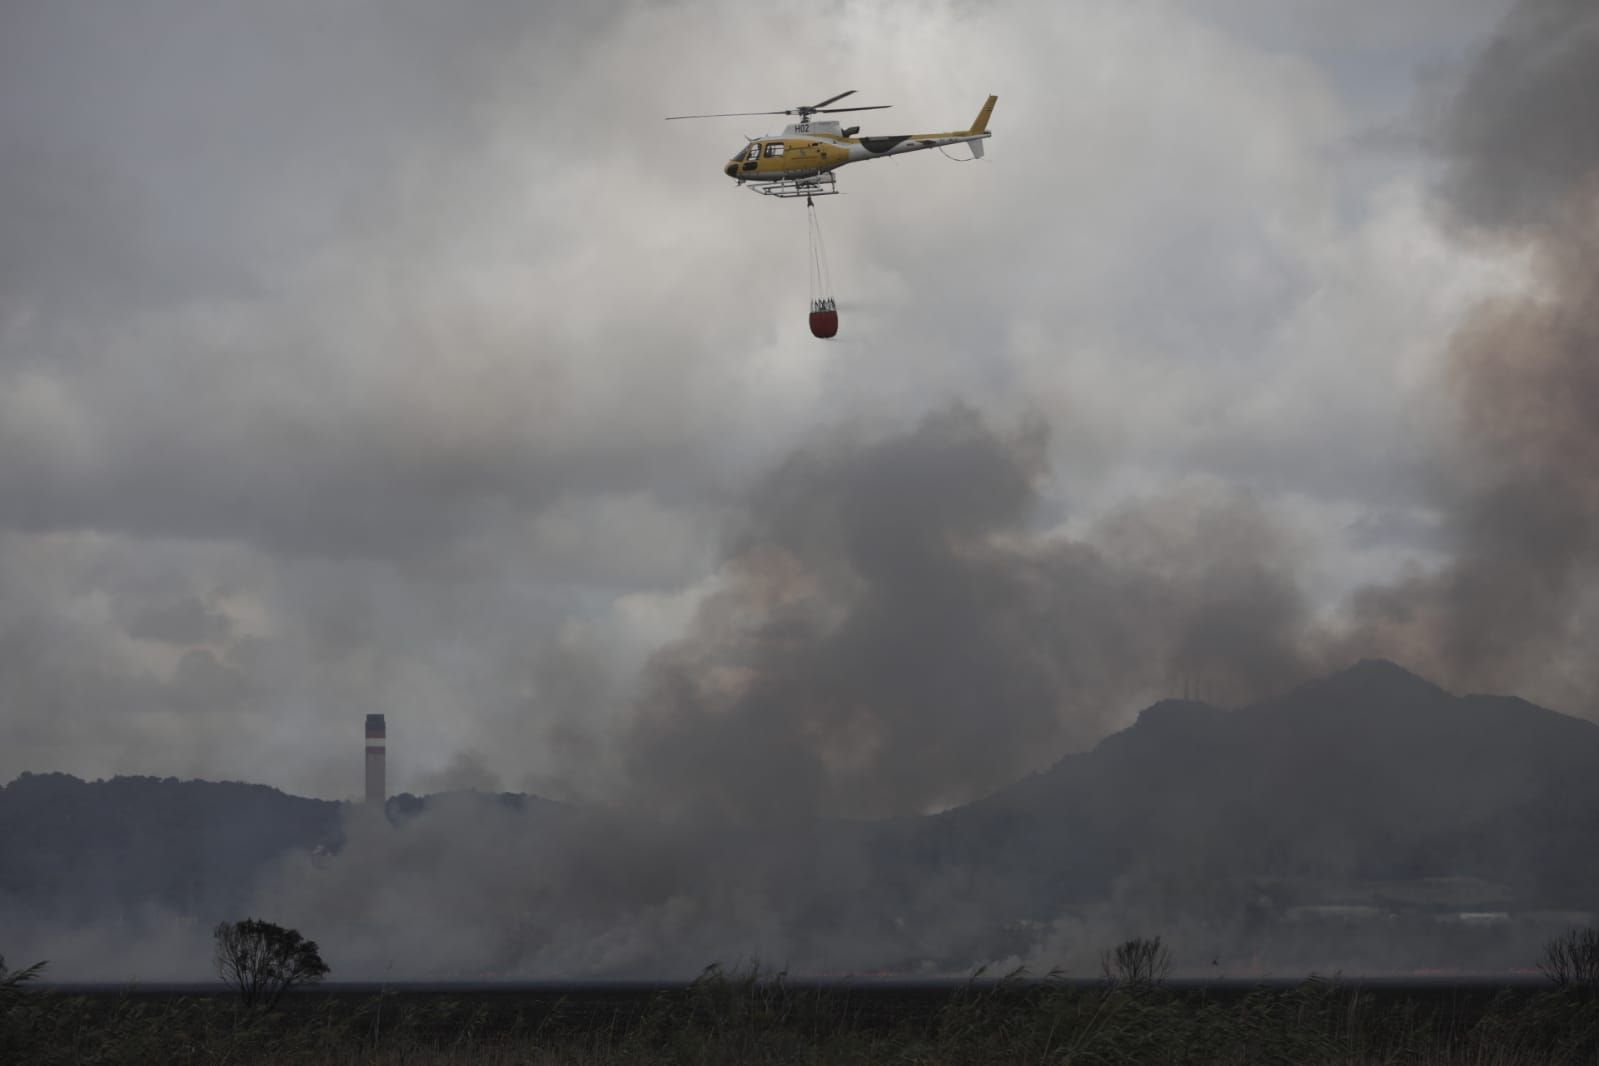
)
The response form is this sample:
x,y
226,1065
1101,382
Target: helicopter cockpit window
x,y
774,150
753,154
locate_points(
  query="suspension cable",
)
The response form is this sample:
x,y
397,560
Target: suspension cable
x,y
821,281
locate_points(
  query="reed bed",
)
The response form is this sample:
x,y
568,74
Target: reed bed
x,y
754,1020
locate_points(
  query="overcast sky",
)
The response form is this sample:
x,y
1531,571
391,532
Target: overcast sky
x,y
392,357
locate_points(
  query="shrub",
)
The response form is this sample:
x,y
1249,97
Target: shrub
x,y
263,960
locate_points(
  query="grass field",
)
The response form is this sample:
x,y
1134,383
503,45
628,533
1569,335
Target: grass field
x,y
750,1019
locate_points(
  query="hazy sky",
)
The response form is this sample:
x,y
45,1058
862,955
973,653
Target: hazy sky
x,y
368,356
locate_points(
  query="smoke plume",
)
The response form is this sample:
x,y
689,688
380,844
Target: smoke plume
x,y
893,636
1514,609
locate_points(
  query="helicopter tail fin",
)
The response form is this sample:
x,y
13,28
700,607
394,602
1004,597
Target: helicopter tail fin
x,y
980,124
976,147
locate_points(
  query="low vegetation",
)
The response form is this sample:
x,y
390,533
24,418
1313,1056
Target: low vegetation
x,y
752,1019
734,1020
12,981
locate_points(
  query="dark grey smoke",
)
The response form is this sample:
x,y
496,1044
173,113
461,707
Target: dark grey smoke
x,y
1514,609
895,636
1519,138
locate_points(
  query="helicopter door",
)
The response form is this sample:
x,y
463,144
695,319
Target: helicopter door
x,y
752,157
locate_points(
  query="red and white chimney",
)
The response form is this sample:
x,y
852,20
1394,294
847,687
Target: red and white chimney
x,y
376,737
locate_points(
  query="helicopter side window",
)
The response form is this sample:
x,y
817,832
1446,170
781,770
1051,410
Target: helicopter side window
x,y
753,154
774,151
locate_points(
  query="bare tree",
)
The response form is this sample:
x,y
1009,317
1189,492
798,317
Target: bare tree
x,y
263,960
1138,964
1572,960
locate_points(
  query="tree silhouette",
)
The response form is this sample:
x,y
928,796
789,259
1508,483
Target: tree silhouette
x,y
263,960
1137,965
1572,960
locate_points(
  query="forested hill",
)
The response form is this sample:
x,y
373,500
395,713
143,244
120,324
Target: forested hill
x,y
84,850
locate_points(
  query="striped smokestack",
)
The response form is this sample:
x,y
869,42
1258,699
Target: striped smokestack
x,y
376,735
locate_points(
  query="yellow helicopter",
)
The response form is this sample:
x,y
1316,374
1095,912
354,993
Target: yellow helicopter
x,y
800,161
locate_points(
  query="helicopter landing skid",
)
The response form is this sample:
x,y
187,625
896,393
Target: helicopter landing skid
x,y
821,185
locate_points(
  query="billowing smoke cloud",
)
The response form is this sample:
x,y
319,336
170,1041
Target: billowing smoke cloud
x,y
473,886
1517,140
1514,609
894,635
893,632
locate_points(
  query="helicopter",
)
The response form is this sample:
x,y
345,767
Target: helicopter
x,y
801,160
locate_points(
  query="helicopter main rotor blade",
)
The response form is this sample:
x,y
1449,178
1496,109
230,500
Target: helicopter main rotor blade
x,y
831,99
802,111
727,114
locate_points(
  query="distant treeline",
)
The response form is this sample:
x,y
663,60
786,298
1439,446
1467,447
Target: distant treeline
x,y
82,851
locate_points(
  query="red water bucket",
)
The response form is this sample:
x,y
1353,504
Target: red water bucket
x,y
824,324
